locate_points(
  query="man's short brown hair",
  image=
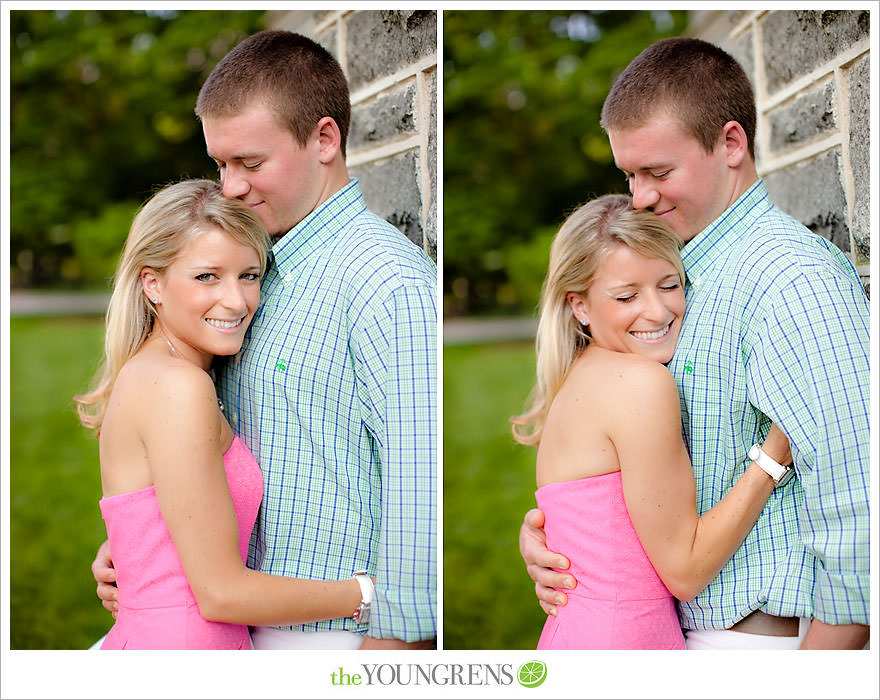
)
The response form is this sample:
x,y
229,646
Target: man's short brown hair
x,y
293,75
693,80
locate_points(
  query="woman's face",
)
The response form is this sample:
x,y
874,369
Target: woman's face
x,y
635,304
207,296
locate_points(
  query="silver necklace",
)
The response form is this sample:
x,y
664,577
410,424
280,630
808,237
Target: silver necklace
x,y
174,352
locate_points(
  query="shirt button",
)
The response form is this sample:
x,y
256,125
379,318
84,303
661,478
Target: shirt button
x,y
288,277
696,281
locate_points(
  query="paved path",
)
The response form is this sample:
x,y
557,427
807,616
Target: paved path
x,y
38,303
461,331
456,331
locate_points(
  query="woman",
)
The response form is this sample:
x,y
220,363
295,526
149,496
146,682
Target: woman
x,y
181,492
614,477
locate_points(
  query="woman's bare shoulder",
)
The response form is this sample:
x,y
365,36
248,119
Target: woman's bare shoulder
x,y
158,384
620,370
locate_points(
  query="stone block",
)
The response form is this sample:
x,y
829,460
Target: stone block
x,y
431,107
380,42
430,245
812,193
387,117
803,119
797,41
859,155
329,41
741,49
391,190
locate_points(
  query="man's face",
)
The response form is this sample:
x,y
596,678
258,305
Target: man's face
x,y
670,174
261,163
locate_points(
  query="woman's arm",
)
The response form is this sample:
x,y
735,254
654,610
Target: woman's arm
x,y
182,440
687,550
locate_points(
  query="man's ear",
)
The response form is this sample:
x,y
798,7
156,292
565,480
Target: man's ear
x,y
578,308
329,139
735,142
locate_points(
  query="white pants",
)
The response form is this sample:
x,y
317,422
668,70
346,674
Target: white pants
x,y
271,638
728,639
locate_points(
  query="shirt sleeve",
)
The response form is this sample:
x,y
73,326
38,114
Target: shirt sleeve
x,y
809,371
397,373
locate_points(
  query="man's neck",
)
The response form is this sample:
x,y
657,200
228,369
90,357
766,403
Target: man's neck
x,y
746,176
337,179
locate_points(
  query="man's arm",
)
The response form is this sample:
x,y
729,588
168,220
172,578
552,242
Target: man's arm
x,y
540,563
823,636
105,576
397,365
373,643
817,330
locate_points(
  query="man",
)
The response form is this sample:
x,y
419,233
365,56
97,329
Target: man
x,y
776,328
334,390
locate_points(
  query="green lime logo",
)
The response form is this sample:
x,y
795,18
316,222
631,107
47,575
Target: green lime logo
x,y
532,673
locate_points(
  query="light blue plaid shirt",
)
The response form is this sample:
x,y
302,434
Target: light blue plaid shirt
x,y
334,392
777,327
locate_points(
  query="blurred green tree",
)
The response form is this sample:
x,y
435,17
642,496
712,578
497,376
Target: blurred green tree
x,y
101,113
522,144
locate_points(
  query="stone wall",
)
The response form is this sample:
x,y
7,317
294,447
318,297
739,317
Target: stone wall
x,y
810,73
390,59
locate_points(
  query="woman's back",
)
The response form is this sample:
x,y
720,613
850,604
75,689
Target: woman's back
x,y
620,601
157,608
577,438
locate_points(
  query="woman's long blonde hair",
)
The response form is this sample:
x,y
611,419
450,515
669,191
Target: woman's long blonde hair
x,y
164,225
577,251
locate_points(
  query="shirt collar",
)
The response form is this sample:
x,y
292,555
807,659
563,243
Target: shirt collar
x,y
319,227
701,253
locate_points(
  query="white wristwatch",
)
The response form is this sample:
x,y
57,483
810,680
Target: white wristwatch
x,y
779,473
362,614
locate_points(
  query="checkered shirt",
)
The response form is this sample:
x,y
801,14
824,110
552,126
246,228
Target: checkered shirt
x,y
777,328
335,394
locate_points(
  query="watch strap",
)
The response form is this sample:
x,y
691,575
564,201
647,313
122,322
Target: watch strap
x,y
362,614
779,473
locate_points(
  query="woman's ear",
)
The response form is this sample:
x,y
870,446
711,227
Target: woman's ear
x,y
578,307
150,281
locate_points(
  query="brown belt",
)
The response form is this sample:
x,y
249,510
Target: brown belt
x,y
760,622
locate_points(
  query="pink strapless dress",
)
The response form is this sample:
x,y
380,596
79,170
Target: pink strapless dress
x,y
157,609
620,601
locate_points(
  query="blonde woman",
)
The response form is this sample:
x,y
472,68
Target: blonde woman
x,y
614,477
180,491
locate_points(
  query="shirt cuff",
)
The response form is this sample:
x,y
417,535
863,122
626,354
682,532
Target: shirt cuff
x,y
841,599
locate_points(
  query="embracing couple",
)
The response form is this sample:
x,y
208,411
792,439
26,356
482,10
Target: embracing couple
x,y
736,477
266,407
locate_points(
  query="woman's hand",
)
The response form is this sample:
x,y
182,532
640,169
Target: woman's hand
x,y
776,445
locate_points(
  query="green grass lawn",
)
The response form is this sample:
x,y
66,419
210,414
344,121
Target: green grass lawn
x,y
488,485
55,523
56,526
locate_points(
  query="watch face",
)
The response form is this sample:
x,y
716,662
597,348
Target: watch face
x,y
754,453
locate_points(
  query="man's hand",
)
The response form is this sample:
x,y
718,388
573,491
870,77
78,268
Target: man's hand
x,y
374,643
540,563
825,636
105,576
